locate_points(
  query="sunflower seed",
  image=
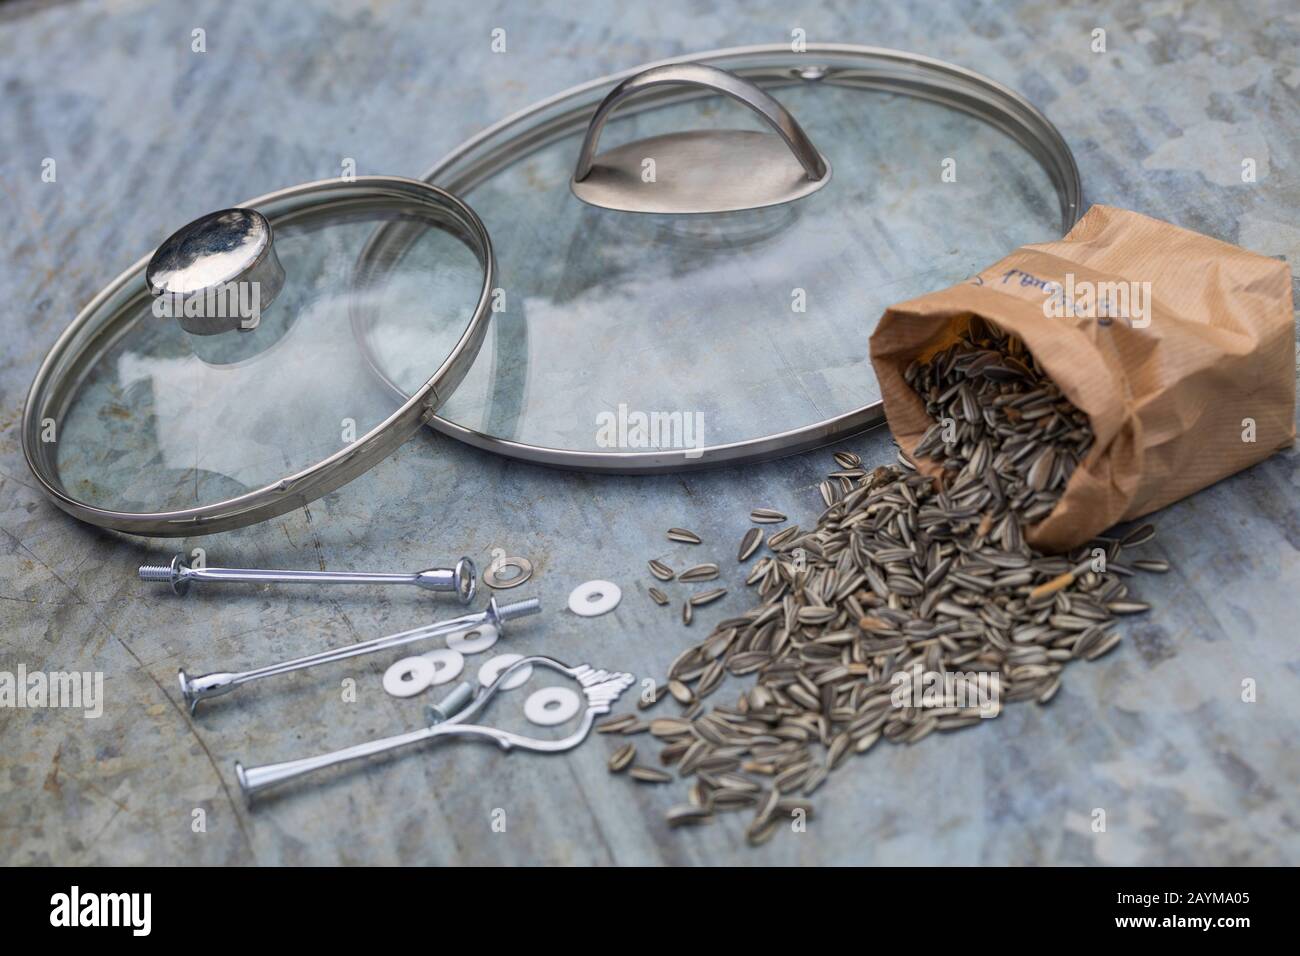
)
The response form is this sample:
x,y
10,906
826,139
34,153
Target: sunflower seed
x,y
1138,536
816,615
760,833
1046,695
622,758
865,742
649,775
669,727
681,693
683,536
653,696
615,725
673,752
708,597
749,544
1103,647
1127,607
688,816
733,799
775,541
661,570
830,492
1151,564
701,572
658,597
766,516
1041,469
687,613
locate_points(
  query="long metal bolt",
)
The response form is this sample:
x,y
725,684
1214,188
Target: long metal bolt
x,y
460,580
195,689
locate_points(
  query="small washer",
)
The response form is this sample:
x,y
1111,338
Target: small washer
x,y
493,667
474,640
493,578
551,705
411,675
595,597
447,664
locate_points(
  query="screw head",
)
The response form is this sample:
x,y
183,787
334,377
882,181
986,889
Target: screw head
x,y
180,581
241,776
466,580
187,690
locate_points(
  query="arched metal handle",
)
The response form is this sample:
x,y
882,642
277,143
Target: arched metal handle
x,y
697,74
703,170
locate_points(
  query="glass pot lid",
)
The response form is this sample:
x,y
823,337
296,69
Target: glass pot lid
x,y
218,382
632,338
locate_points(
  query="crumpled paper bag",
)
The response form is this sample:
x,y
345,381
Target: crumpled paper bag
x,y
1179,347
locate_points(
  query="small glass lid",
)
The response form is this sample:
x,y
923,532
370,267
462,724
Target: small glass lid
x,y
220,382
684,284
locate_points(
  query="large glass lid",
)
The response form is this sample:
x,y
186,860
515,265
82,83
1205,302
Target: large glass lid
x,y
654,341
220,382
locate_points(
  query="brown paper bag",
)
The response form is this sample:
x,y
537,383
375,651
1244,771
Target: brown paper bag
x,y
1185,380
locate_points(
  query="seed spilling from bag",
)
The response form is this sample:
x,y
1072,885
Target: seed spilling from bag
x,y
1007,444
906,582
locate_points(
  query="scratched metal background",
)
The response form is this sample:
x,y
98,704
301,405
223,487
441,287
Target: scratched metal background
x,y
148,135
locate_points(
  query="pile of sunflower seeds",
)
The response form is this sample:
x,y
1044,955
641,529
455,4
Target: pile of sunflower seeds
x,y
905,578
1007,438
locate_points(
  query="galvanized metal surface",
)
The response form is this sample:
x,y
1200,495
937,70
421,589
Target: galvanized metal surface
x,y
1156,735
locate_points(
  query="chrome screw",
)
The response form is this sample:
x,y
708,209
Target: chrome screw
x,y
450,705
195,689
459,580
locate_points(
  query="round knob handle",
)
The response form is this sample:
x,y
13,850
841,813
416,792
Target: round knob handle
x,y
216,274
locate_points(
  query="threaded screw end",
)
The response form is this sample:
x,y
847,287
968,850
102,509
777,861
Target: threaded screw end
x,y
155,572
508,612
176,574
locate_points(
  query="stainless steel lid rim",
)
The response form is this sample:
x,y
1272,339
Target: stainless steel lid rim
x,y
768,448
967,82
890,70
44,400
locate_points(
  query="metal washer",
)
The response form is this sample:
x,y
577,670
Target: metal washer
x,y
492,576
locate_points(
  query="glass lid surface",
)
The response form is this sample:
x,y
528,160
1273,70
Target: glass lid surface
x,y
642,341
169,415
